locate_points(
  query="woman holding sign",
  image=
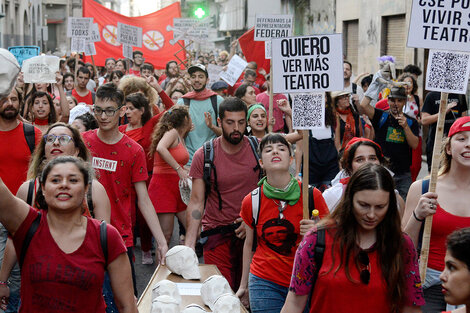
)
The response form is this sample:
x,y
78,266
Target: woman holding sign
x,y
448,205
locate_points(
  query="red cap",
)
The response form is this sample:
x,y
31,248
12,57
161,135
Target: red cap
x,y
460,125
359,139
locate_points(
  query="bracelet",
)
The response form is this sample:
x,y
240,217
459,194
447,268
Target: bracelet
x,y
5,283
418,219
177,168
367,126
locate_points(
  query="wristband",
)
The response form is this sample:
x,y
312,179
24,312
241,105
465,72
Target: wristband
x,y
5,283
367,126
418,219
177,168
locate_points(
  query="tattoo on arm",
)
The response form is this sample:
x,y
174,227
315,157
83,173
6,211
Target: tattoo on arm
x,y
196,215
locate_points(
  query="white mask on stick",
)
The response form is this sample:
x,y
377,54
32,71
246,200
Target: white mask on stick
x,y
194,308
227,303
212,288
168,288
183,261
165,304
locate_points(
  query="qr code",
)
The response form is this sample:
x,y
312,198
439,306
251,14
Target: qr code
x,y
308,111
447,71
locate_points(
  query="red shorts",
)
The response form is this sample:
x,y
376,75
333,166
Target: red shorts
x,y
164,193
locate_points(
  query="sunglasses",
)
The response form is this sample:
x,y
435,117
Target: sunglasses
x,y
363,258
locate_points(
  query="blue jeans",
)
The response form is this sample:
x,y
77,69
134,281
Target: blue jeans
x,y
266,296
15,278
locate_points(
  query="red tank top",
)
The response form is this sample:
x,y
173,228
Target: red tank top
x,y
179,153
443,223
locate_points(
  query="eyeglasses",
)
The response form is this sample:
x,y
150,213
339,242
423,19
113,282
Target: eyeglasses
x,y
63,139
109,112
363,258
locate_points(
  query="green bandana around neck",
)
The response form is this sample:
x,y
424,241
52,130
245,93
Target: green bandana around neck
x,y
290,194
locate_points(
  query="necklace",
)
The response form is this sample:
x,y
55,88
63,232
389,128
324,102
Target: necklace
x,y
281,206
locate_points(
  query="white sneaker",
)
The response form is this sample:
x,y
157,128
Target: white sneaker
x,y
147,257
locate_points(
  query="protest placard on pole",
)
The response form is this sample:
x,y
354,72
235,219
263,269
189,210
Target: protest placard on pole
x,y
127,51
235,68
40,69
77,44
90,48
448,71
272,26
94,33
308,111
22,53
129,35
308,64
433,25
79,27
214,73
189,29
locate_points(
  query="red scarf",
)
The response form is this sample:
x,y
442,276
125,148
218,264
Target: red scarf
x,y
202,95
41,121
349,127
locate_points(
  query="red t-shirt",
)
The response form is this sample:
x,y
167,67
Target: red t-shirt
x,y
278,114
135,73
179,153
88,99
277,244
231,90
15,156
55,281
118,167
235,178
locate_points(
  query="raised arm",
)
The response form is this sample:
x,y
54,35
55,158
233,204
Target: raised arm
x,y
13,211
64,117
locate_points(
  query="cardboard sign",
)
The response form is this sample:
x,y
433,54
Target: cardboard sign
x,y
235,68
129,35
127,51
22,53
79,27
448,71
272,26
308,64
94,33
308,111
189,29
90,48
40,69
77,44
214,73
435,24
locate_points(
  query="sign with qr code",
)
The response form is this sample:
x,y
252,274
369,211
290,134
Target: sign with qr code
x,y
435,24
308,111
307,64
448,71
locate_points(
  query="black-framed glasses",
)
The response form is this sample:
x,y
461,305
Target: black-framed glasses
x,y
363,258
63,139
109,112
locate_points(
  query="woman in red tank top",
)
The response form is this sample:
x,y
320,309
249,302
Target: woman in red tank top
x,y
448,205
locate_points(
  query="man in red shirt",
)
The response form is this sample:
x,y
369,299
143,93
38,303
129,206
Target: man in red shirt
x,y
81,92
137,61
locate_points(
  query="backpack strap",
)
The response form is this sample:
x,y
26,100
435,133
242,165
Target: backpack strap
x,y
104,240
27,240
208,167
254,147
89,200
424,186
29,198
383,119
28,130
319,250
255,206
186,101
311,200
214,106
424,189
354,88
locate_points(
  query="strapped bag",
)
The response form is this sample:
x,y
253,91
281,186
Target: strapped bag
x,y
213,98
28,130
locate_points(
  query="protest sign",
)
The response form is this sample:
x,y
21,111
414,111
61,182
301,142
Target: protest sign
x,y
90,48
235,68
22,53
272,26
268,47
307,64
77,44
79,27
127,51
435,24
189,29
214,73
129,35
40,69
308,111
448,71
94,33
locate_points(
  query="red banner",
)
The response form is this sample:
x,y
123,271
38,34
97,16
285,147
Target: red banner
x,y
156,45
253,50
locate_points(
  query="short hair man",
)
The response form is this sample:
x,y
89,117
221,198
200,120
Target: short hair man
x,y
146,70
249,78
81,92
397,134
203,107
109,65
356,91
237,172
137,61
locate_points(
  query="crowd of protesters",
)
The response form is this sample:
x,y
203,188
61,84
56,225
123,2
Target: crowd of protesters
x,y
109,152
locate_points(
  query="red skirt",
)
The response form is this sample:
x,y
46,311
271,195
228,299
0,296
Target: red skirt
x,y
164,193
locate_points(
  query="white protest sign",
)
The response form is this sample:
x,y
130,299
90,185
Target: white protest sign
x,y
90,48
268,49
129,35
40,69
235,68
435,24
127,51
308,64
308,111
94,33
77,44
214,73
272,26
448,71
79,27
189,29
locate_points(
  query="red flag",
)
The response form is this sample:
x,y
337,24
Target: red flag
x,y
155,42
253,50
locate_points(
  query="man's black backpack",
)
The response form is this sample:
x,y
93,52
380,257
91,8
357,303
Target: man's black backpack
x,y
28,130
213,98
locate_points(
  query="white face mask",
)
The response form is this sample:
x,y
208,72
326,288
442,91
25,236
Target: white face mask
x,y
183,261
168,288
212,288
165,304
227,303
193,308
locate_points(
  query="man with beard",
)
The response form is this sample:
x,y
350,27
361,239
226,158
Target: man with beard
x,y
397,134
203,106
15,151
172,72
234,173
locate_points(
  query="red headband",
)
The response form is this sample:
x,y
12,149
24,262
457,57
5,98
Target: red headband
x,y
360,139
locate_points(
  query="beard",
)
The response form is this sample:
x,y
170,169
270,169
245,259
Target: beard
x,y
230,139
11,114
